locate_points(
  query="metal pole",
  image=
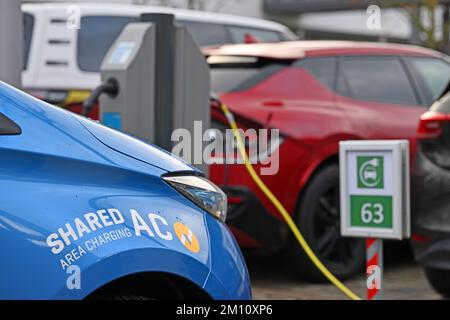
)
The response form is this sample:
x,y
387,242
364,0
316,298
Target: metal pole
x,y
11,42
374,269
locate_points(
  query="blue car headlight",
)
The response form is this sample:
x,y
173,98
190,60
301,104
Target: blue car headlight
x,y
202,192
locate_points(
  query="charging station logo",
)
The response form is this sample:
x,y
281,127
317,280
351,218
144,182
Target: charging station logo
x,y
186,237
370,172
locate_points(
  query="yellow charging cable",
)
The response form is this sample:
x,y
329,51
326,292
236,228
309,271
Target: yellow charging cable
x,y
301,240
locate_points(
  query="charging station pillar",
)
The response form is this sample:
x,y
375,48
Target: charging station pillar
x,y
11,39
131,63
163,82
164,75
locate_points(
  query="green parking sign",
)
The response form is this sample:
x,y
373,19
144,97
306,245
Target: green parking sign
x,y
371,211
374,186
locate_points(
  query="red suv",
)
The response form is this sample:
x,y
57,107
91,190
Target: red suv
x,y
316,93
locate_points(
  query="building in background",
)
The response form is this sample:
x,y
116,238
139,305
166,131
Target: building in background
x,y
327,19
410,21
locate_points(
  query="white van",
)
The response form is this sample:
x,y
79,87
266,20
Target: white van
x,y
62,64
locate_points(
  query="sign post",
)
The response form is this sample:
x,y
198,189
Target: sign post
x,y
374,268
374,187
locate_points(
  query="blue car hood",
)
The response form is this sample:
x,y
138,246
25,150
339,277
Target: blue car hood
x,y
134,147
61,132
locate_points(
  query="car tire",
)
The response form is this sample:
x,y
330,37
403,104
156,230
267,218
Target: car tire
x,y
318,219
439,280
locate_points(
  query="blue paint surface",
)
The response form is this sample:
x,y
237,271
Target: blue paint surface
x,y
64,168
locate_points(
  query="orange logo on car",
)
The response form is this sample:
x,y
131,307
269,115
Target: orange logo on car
x,y
187,237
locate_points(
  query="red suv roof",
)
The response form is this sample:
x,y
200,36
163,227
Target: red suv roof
x,y
292,50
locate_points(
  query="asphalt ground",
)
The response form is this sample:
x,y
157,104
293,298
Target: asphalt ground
x,y
403,279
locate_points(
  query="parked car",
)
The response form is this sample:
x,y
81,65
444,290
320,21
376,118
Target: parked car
x,y
62,64
317,93
89,212
431,184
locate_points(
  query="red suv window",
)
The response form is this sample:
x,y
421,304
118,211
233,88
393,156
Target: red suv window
x,y
323,69
239,78
434,72
378,79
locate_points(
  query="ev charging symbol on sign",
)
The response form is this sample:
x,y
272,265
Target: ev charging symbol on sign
x,y
370,172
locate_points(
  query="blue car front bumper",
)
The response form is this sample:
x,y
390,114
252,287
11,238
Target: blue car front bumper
x,y
229,277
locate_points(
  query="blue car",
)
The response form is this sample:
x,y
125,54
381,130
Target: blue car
x,y
89,212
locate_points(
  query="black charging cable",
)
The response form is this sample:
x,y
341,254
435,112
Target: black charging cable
x,y
110,87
